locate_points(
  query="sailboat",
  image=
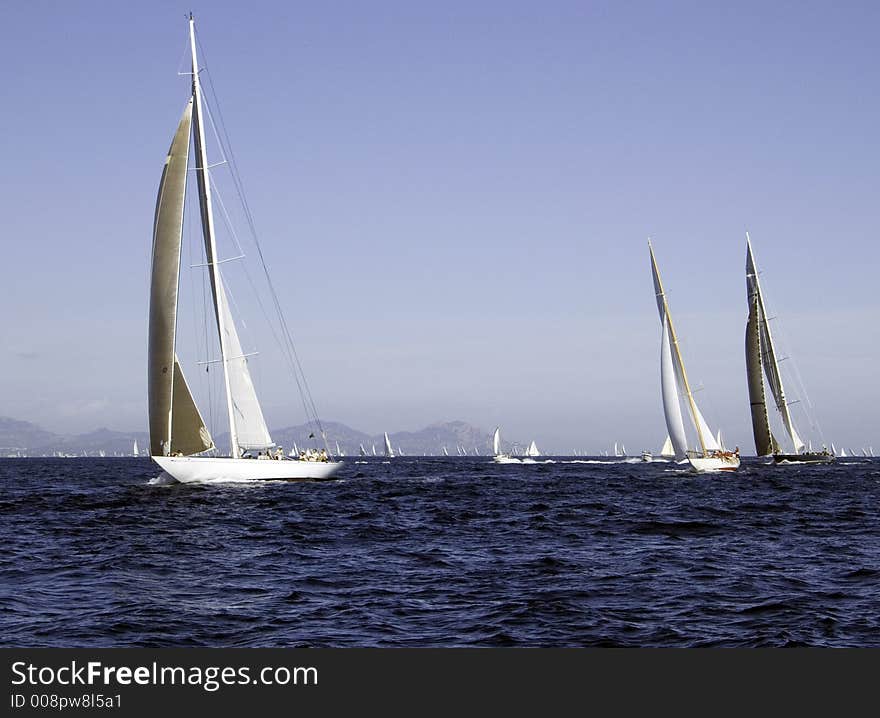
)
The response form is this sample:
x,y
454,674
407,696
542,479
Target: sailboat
x,y
761,364
498,456
179,437
361,450
667,451
134,450
533,450
389,452
709,456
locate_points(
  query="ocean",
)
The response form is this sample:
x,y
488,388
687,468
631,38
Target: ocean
x,y
442,552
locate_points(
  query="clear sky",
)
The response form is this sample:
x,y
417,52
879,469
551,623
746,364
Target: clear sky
x,y
455,199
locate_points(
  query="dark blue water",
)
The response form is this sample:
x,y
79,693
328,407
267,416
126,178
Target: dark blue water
x,y
441,552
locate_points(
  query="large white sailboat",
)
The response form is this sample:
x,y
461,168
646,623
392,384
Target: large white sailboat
x,y
707,455
179,438
762,363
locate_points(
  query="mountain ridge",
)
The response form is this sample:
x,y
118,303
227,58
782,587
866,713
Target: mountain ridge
x,y
24,438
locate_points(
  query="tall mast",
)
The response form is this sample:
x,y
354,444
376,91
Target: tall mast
x,y
668,317
204,182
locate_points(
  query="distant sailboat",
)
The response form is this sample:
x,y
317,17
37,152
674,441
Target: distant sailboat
x,y
361,450
178,434
389,452
667,451
674,383
533,450
445,451
497,455
134,451
374,450
761,364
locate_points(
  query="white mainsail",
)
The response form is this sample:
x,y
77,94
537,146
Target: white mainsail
x,y
134,451
496,441
671,399
533,450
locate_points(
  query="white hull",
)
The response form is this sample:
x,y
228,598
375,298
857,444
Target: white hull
x,y
189,469
704,464
501,459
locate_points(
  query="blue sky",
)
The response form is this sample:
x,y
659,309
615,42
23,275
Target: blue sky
x,y
455,202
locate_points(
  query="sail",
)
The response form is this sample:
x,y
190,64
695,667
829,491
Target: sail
x,y
134,450
533,450
496,441
361,450
389,452
175,423
250,425
765,443
676,375
189,435
667,449
671,400
768,352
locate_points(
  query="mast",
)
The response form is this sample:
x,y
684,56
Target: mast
x,y
204,182
661,296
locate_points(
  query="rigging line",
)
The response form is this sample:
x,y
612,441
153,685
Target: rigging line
x,y
227,219
227,151
280,344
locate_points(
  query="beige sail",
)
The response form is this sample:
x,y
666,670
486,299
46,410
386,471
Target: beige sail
x,y
167,390
189,435
765,443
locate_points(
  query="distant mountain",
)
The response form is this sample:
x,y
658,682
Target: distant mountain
x,y
21,436
26,439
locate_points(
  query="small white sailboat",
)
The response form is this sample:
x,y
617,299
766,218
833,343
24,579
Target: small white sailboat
x,y
361,450
134,450
667,452
445,451
532,451
761,364
674,385
498,456
179,437
389,452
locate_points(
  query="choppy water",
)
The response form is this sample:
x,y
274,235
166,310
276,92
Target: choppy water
x,y
441,552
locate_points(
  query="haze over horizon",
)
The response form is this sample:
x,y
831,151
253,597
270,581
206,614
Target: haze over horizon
x,y
455,201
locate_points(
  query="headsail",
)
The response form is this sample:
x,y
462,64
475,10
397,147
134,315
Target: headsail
x,y
249,422
175,422
496,441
